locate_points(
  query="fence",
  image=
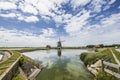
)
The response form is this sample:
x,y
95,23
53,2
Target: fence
x,y
105,66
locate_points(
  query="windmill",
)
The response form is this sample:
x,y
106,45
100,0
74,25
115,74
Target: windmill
x,y
59,44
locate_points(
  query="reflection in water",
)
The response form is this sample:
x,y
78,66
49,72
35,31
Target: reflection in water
x,y
1,56
61,65
59,52
48,51
118,49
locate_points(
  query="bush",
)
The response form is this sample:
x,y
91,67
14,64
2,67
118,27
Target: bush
x,y
105,76
18,77
96,50
22,61
91,58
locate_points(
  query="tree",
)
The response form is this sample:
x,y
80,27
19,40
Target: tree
x,y
48,46
90,46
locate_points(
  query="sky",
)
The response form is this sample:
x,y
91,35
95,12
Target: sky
x,y
36,23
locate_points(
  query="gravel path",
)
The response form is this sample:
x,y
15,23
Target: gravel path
x,y
117,61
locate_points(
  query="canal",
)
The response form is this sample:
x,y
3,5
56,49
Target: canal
x,y
60,65
118,49
1,57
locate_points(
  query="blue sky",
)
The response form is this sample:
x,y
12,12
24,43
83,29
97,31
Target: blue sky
x,y
41,22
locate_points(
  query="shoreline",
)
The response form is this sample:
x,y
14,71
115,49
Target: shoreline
x,y
5,55
20,63
93,62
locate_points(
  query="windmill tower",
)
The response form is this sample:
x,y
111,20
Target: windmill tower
x,y
59,44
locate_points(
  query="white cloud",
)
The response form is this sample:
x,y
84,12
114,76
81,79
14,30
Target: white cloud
x,y
92,37
9,15
110,36
49,32
106,7
33,2
7,6
27,8
119,7
77,22
44,7
58,19
111,1
99,17
96,5
45,17
107,32
77,26
15,38
66,16
31,19
112,20
77,3
21,17
109,4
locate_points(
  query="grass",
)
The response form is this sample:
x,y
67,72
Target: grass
x,y
117,53
18,76
15,55
31,49
24,58
104,76
91,58
10,61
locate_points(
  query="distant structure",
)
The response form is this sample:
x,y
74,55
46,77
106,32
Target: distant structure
x,y
59,44
48,46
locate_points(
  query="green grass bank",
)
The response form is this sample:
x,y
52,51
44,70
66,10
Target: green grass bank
x,y
22,60
90,58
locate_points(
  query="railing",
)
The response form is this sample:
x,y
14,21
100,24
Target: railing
x,y
105,66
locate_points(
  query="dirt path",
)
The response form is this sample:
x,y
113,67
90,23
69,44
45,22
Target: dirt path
x,y
34,74
23,74
117,61
5,56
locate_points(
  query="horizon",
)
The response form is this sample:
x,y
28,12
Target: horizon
x,y
112,45
37,23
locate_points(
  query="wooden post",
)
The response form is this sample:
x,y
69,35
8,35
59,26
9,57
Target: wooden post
x,y
102,65
119,70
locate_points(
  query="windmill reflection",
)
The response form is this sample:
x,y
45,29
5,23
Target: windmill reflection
x,y
59,52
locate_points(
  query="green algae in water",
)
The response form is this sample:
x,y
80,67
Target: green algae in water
x,y
65,70
64,66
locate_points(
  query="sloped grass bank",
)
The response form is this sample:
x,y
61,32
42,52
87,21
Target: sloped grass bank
x,y
25,59
92,57
20,59
6,64
31,49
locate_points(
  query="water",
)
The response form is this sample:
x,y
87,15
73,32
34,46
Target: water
x,y
64,65
118,50
1,56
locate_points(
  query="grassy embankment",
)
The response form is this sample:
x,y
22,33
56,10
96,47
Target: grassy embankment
x,y
15,55
91,58
31,49
23,60
6,64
